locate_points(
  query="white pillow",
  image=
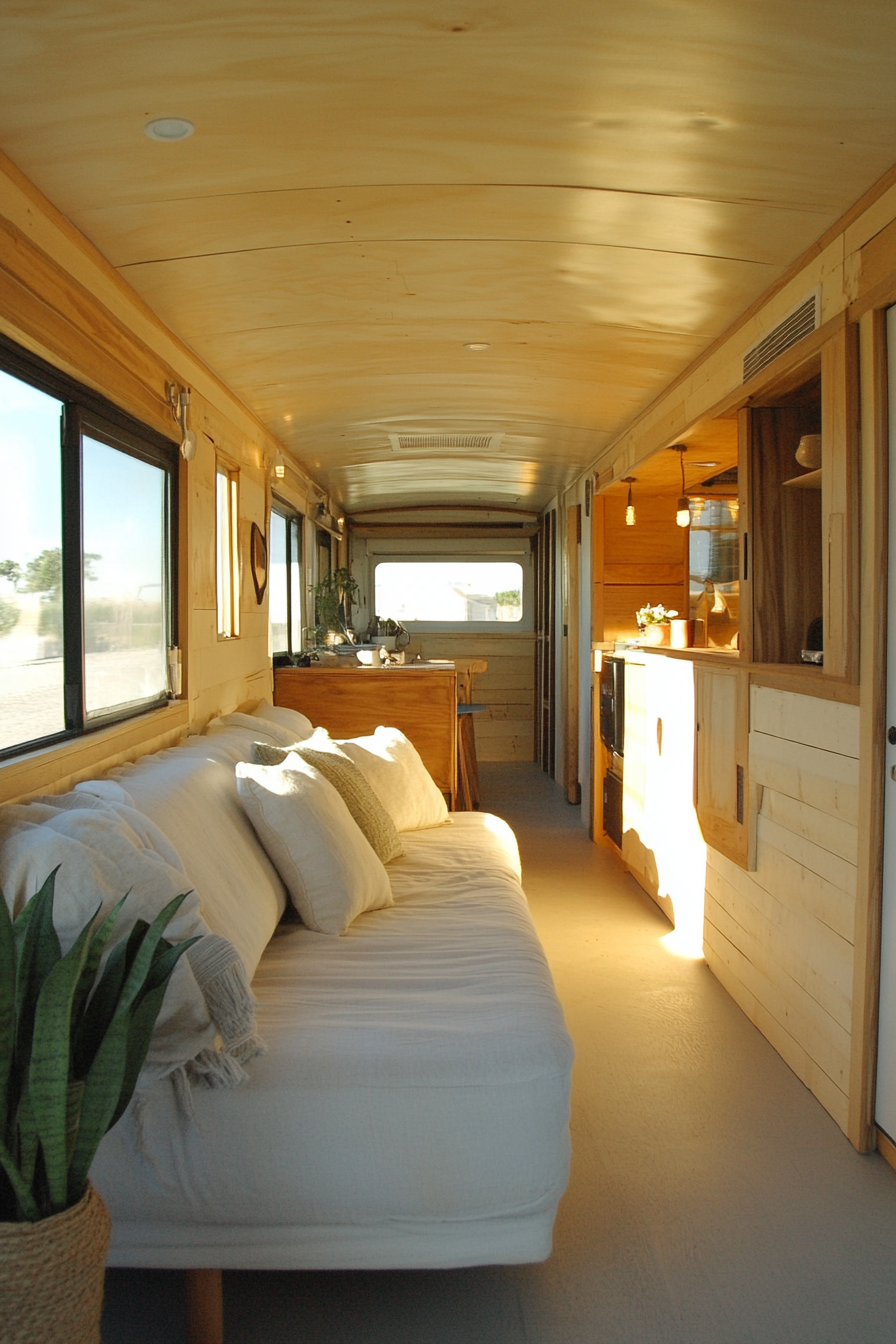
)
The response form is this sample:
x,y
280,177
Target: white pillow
x,y
297,723
190,794
103,848
330,870
394,770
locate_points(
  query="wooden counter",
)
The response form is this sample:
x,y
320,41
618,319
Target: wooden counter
x,y
353,701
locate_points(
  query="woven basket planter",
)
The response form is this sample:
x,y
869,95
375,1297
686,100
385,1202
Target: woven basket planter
x,y
51,1276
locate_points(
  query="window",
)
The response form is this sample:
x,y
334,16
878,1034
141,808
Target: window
x,y
86,563
227,549
455,592
285,581
714,557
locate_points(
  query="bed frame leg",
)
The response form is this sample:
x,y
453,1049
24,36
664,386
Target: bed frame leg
x,y
204,1289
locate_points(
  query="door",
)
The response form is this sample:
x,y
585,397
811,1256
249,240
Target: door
x,y
885,1110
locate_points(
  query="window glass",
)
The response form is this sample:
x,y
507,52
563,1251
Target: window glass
x,y
31,662
278,606
285,591
295,585
125,617
453,591
714,557
227,552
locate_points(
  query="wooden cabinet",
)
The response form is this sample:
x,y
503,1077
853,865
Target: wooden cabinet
x,y
800,546
722,795
351,702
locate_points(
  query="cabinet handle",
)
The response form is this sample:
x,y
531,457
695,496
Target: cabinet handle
x,y
746,556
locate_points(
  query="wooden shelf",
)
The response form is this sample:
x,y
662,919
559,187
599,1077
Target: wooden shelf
x,y
810,481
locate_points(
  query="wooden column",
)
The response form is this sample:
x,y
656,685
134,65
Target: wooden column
x,y
204,1295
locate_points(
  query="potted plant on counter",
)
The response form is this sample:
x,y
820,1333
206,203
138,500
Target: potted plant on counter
x,y
654,624
72,1042
334,596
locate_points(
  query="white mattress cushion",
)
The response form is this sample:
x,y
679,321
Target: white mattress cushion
x,y
190,793
395,772
330,869
413,1107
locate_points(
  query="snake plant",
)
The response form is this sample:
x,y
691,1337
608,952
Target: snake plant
x,y
72,1043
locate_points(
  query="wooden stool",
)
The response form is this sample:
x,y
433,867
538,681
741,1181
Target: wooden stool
x,y
468,796
467,765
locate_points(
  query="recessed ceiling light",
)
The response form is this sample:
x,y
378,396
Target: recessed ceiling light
x,y
477,345
703,464
169,128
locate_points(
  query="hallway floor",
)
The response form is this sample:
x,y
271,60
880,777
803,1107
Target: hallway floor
x,y
711,1200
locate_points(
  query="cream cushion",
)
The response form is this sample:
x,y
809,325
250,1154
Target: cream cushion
x,y
330,870
365,807
395,772
190,793
291,719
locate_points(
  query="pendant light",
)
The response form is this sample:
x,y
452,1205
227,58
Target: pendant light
x,y
630,507
683,508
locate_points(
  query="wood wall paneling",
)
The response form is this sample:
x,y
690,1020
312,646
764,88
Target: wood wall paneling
x,y
872,722
786,537
724,798
352,702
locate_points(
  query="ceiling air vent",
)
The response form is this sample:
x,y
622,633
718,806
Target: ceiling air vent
x,y
799,322
429,443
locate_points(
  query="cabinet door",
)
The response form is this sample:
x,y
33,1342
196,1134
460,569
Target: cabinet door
x,y
721,778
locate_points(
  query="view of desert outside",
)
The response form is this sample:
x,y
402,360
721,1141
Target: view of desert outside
x,y
449,590
125,630
125,625
31,671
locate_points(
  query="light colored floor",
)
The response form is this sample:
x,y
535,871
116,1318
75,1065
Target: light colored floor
x,y
712,1200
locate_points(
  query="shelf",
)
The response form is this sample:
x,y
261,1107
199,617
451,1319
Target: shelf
x,y
810,481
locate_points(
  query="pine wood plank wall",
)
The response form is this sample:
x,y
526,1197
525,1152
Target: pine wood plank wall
x,y
780,939
505,731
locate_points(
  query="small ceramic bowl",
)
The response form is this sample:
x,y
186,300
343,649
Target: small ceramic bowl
x,y
808,454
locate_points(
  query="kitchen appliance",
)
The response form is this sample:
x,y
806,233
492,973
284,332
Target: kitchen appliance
x,y
612,735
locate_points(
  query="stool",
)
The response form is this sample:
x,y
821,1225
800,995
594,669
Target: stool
x,y
468,796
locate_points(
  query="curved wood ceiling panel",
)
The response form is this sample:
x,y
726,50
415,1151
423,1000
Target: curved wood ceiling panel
x,y
597,190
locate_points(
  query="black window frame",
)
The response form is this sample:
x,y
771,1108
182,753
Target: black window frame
x,y
290,515
85,412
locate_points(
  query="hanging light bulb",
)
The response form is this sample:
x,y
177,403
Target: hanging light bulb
x,y
683,508
630,507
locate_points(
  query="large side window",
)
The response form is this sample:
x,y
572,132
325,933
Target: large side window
x,y
456,592
86,560
285,581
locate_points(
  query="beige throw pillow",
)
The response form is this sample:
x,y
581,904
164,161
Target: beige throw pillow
x,y
330,871
363,804
393,768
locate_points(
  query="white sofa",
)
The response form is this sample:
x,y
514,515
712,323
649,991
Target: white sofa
x,y
412,1107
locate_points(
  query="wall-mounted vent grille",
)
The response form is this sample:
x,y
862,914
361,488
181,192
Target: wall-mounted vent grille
x,y
429,443
798,323
726,477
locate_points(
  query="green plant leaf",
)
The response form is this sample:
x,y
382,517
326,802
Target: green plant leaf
x,y
7,1012
102,1088
20,1186
50,1067
27,1144
142,962
37,952
94,956
104,1083
101,1008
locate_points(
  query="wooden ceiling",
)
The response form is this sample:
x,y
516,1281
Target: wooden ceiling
x,y
594,189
